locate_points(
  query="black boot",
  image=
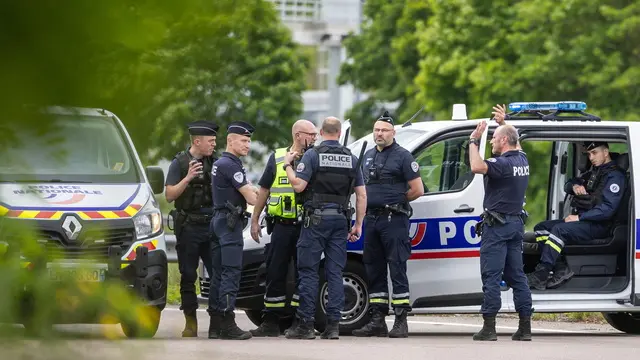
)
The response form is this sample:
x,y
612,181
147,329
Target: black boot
x,y
303,330
400,328
538,279
524,329
561,274
214,325
294,324
331,330
488,331
191,324
377,326
270,327
229,330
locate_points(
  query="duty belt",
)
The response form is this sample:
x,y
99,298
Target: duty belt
x,y
197,218
284,221
388,210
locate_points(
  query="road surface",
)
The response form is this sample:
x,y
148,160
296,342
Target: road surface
x,y
432,337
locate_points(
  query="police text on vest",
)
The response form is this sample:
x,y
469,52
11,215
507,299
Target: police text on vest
x,y
334,160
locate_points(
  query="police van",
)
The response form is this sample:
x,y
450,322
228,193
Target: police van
x,y
83,188
444,268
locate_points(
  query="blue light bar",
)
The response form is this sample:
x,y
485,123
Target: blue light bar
x,y
548,106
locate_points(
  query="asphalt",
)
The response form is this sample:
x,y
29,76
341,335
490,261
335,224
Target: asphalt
x,y
430,337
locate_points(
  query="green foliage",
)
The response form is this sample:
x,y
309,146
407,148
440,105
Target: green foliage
x,y
438,53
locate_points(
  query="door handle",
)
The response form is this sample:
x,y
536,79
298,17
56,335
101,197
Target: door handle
x,y
463,209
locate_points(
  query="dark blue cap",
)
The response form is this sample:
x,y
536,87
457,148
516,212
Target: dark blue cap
x,y
386,118
203,127
240,128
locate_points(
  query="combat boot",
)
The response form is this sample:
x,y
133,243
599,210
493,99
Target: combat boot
x,y
269,327
538,279
214,325
524,329
400,328
294,324
229,330
331,330
488,331
303,330
377,326
191,324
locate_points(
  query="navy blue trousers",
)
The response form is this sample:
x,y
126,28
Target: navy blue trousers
x,y
227,264
386,242
501,257
329,236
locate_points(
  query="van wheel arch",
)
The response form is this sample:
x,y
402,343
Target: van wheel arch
x,y
626,322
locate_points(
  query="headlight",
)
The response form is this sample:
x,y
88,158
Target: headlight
x,y
148,221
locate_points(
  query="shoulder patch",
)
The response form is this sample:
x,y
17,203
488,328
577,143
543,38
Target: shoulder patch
x,y
492,160
300,167
614,188
415,167
238,176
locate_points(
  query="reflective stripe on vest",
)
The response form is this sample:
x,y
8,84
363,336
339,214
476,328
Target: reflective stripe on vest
x,y
282,198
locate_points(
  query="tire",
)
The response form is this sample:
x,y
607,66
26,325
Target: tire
x,y
626,322
356,310
145,325
255,316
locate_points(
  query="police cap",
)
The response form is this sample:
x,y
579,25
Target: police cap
x,y
203,127
241,128
590,145
386,118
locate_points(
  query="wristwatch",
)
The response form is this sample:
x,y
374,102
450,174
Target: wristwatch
x,y
284,167
474,141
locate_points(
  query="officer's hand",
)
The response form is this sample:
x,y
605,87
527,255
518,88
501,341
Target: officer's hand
x,y
477,133
290,156
354,234
579,190
571,218
256,231
499,113
195,169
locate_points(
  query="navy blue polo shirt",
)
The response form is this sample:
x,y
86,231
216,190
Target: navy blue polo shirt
x,y
227,176
309,165
396,167
507,180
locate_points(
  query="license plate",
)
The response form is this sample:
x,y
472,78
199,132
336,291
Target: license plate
x,y
77,272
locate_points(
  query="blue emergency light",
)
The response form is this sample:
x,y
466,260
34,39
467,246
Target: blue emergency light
x,y
565,106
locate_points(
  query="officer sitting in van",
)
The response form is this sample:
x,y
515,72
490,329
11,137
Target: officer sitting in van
x,y
597,195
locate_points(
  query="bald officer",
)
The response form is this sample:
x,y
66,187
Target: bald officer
x,y
231,194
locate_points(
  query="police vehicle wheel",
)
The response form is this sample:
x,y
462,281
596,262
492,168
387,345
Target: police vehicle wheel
x,y
355,313
143,323
625,322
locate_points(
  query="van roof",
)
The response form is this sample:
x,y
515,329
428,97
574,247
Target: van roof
x,y
443,124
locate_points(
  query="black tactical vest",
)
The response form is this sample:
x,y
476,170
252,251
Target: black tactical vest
x,y
197,195
595,182
331,182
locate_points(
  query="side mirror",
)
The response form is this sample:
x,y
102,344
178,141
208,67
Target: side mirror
x,y
156,179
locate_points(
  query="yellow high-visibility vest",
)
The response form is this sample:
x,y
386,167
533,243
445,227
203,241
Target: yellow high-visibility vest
x,y
282,200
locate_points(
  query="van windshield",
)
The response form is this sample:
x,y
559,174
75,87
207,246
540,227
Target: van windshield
x,y
75,148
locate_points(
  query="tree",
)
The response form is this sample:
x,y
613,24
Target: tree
x,y
384,59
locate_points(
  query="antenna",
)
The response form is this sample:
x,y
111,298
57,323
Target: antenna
x,y
408,123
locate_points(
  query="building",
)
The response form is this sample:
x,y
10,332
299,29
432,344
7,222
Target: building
x,y
319,26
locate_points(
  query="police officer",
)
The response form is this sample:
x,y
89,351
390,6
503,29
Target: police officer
x,y
327,173
596,197
284,215
502,227
231,194
392,180
189,184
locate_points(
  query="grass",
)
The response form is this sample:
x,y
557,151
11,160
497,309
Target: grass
x,y
583,317
173,285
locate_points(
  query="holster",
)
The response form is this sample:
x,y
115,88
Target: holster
x,y
401,208
171,218
492,218
179,221
271,222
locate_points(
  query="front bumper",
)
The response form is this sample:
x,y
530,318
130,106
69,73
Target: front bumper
x,y
252,281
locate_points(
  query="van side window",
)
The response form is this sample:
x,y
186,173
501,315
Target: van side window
x,y
444,165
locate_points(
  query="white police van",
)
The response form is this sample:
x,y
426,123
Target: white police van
x,y
83,188
444,268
